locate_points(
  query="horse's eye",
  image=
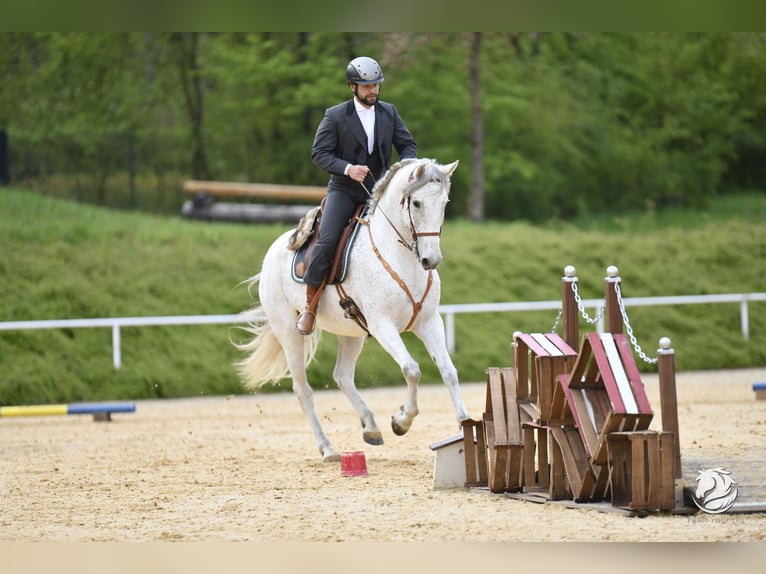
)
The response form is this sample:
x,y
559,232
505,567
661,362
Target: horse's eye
x,y
416,204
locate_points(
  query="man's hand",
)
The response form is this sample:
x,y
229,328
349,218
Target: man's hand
x,y
358,172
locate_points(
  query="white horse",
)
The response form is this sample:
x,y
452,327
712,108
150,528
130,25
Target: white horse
x,y
390,275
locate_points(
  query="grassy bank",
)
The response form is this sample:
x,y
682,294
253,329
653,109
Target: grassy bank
x,y
62,260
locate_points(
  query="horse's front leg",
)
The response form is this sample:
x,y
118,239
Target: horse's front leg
x,y
389,338
349,349
431,331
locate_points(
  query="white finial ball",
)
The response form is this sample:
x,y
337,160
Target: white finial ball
x,y
665,342
569,271
516,334
612,271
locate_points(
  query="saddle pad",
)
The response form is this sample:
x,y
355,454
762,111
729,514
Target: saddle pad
x,y
339,262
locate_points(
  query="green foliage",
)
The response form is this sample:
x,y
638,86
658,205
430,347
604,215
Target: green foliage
x,y
574,124
64,260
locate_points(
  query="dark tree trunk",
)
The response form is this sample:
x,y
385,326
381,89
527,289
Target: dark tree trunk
x,y
476,192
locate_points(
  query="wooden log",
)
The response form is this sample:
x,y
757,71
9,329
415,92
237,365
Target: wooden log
x,y
256,190
243,212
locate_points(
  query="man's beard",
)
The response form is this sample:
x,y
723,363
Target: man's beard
x,y
369,100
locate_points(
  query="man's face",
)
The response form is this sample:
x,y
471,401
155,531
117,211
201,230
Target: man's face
x,y
367,94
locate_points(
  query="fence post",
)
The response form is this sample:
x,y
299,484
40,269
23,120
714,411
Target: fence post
x,y
569,315
744,321
449,319
116,350
666,366
613,314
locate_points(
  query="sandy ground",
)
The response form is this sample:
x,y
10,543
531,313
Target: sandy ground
x,y
245,468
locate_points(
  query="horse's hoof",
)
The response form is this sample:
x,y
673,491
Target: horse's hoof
x,y
374,438
330,456
397,428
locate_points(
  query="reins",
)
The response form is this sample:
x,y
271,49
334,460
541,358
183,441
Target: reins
x,y
416,305
402,240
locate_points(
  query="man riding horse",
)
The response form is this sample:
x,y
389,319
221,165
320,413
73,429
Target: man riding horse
x,y
353,143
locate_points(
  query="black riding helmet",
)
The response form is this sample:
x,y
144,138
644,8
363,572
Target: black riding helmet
x,y
363,71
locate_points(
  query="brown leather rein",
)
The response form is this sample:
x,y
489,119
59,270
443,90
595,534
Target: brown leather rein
x,y
416,305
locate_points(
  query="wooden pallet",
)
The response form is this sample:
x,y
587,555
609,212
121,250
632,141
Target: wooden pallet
x,y
475,450
605,393
536,459
502,429
641,467
538,358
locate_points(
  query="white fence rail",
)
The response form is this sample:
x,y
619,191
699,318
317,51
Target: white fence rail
x,y
448,311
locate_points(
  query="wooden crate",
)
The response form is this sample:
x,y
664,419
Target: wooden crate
x,y
641,470
605,393
475,450
502,429
537,467
538,358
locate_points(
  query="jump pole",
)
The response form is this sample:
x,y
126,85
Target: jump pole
x,y
100,411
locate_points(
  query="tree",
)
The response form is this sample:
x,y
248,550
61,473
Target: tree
x,y
184,48
476,191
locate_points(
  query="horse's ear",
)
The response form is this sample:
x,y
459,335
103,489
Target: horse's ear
x,y
449,168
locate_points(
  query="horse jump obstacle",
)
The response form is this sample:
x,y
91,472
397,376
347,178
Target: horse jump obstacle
x,y
101,411
583,414
203,204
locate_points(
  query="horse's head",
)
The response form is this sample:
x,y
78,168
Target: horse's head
x,y
423,201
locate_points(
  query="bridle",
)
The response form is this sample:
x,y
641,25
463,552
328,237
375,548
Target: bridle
x,y
408,200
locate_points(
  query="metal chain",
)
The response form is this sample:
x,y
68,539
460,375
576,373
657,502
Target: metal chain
x,y
581,307
629,329
556,322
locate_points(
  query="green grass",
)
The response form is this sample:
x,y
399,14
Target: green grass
x,y
62,259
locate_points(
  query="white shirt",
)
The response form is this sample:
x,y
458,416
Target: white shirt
x,y
367,117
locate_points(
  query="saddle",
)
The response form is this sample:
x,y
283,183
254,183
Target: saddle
x,y
306,235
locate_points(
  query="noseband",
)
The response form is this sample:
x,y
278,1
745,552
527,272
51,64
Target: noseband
x,y
416,234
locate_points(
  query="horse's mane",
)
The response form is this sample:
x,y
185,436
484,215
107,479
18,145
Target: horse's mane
x,y
429,172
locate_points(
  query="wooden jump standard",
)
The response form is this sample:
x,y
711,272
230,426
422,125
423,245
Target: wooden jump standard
x,y
579,426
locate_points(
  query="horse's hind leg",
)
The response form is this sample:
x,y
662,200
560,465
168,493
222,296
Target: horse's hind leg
x,y
292,343
349,349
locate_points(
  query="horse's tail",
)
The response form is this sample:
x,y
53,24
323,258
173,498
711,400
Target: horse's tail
x,y
265,361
